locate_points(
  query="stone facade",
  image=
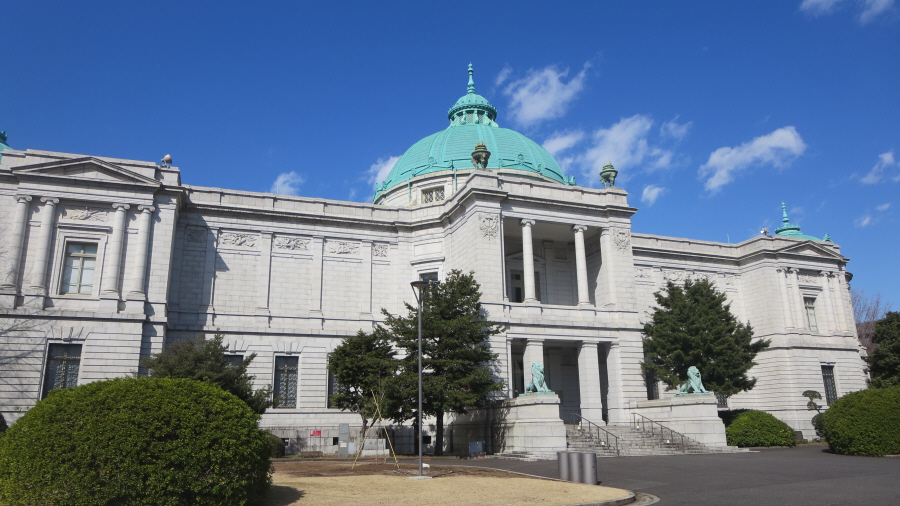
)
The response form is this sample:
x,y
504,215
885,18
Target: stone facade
x,y
288,277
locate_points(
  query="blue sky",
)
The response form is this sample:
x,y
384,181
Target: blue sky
x,y
714,112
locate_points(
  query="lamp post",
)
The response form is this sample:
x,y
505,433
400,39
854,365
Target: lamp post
x,y
417,287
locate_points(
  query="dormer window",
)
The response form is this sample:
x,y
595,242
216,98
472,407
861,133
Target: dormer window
x,y
433,195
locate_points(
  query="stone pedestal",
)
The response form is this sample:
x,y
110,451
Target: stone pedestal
x,y
694,415
532,424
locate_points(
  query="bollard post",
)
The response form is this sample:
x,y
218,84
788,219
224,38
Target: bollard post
x,y
588,468
574,466
562,462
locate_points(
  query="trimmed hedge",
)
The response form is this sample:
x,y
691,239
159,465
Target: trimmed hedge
x,y
728,415
136,441
864,423
758,428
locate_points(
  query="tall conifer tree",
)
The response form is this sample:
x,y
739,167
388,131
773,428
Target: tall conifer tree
x,y
363,367
884,362
693,326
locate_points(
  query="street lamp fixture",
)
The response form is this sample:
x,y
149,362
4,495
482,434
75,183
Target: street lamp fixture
x,y
417,287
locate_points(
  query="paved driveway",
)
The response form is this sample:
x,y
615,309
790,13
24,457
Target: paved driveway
x,y
791,476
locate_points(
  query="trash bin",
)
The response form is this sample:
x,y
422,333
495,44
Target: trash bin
x,y
588,468
574,466
562,462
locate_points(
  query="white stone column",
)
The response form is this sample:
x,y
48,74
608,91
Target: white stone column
x,y
607,267
786,305
109,285
528,260
839,301
614,398
798,300
139,276
207,300
38,277
315,290
534,352
16,242
510,370
589,382
824,307
365,282
265,271
584,296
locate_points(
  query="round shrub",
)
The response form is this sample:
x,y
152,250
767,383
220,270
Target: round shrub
x,y
864,423
277,445
136,441
758,428
817,422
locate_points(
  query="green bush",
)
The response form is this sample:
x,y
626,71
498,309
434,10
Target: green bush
x,y
277,446
865,423
728,415
758,428
3,425
817,422
136,441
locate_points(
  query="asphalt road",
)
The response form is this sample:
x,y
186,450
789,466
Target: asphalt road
x,y
806,475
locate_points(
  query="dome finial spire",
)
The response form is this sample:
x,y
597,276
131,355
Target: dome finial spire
x,y
470,90
784,217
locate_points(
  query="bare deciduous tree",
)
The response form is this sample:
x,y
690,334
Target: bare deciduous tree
x,y
867,309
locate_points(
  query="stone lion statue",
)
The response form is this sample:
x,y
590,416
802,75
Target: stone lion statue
x,y
538,385
693,385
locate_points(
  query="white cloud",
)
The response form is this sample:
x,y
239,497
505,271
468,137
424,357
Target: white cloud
x,y
874,8
503,75
651,193
863,221
778,148
885,161
287,183
352,194
542,95
674,129
819,7
379,170
561,141
626,145
884,207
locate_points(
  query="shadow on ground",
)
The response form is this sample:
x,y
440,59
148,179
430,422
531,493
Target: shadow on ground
x,y
281,495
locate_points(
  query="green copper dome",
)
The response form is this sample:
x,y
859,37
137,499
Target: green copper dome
x,y
788,230
472,120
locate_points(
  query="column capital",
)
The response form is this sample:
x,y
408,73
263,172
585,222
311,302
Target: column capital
x,y
50,200
579,228
145,209
526,223
589,344
23,199
535,340
121,207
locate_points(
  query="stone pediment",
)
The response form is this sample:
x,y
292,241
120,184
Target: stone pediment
x,y
811,249
88,169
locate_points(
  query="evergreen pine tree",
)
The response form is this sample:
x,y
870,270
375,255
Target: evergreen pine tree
x,y
363,366
457,357
884,362
693,326
204,360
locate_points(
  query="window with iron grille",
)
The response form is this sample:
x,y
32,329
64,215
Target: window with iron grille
x,y
334,387
286,382
62,367
233,360
78,269
828,380
810,305
721,400
652,386
433,195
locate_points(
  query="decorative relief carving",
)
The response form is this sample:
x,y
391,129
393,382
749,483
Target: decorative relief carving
x,y
292,243
380,250
238,239
85,213
708,276
809,279
622,237
729,279
195,235
490,225
643,274
343,247
675,276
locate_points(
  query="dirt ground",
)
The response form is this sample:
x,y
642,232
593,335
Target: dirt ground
x,y
340,483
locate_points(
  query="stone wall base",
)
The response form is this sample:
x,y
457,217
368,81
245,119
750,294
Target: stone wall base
x,y
695,416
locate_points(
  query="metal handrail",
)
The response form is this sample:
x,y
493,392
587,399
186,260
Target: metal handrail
x,y
602,434
660,429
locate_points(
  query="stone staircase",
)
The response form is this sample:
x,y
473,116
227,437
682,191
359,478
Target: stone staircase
x,y
633,442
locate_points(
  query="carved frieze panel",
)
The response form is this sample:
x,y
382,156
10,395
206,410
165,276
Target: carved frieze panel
x,y
238,239
490,225
292,243
643,274
84,213
380,250
809,278
195,235
728,279
343,247
621,237
675,276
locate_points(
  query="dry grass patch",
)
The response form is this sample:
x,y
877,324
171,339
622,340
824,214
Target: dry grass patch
x,y
336,484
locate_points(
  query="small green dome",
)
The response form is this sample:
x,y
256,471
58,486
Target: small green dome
x,y
472,120
788,230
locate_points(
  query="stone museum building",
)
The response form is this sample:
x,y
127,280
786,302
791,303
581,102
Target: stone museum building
x,y
103,261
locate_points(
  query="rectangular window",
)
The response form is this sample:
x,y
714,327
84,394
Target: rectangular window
x,y
286,382
652,387
62,367
517,286
431,277
721,401
810,305
433,195
78,269
828,380
233,360
333,388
